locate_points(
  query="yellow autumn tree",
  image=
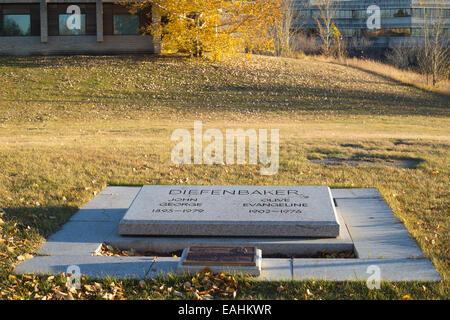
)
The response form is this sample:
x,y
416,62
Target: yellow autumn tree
x,y
213,28
338,41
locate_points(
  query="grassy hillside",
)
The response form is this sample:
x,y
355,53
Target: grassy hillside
x,y
69,126
80,88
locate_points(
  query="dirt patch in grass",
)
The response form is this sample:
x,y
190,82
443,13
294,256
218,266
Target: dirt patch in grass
x,y
398,163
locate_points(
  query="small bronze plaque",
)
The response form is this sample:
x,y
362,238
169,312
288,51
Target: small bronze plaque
x,y
220,256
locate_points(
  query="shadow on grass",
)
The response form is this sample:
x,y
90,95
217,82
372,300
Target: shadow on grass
x,y
267,98
397,82
43,220
405,163
319,99
68,60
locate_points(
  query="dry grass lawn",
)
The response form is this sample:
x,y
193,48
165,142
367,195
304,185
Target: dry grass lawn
x,y
69,126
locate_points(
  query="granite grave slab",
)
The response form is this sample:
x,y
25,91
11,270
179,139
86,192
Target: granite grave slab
x,y
232,211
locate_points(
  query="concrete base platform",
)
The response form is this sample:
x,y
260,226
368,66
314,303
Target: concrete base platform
x,y
270,246
271,269
377,236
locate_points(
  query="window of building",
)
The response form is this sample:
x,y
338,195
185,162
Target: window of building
x,y
344,14
117,20
402,13
315,13
68,27
304,13
431,13
15,25
58,19
126,24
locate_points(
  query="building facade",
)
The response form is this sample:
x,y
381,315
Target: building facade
x,y
52,27
41,27
401,20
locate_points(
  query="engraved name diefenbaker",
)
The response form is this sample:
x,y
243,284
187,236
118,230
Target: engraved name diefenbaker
x,y
241,192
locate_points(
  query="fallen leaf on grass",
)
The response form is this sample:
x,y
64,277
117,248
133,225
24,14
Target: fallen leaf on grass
x,y
197,296
61,295
24,257
178,294
88,288
108,296
98,286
